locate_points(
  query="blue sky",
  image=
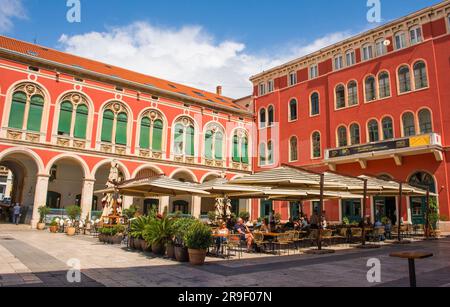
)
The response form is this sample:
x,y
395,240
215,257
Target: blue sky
x,y
223,41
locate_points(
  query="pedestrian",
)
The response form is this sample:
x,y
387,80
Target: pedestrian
x,y
16,214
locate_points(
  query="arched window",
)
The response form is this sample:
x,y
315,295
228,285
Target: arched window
x,y
262,118
240,147
184,137
115,124
81,121
151,135
425,122
374,135
262,154
384,85
371,92
418,205
409,127
404,79
293,149
293,110
65,118
340,97
352,90
73,116
388,128
420,75
27,107
214,143
315,104
342,136
355,137
270,153
316,145
271,115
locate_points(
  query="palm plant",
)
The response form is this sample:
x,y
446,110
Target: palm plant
x,y
159,231
138,225
43,212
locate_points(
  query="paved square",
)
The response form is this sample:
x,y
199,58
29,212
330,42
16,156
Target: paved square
x,y
33,258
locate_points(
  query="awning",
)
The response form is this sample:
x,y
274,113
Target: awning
x,y
155,187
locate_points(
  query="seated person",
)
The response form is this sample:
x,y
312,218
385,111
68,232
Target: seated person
x,y
245,234
388,229
304,223
223,233
264,228
289,225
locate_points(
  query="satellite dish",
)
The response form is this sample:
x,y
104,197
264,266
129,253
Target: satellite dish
x,y
387,43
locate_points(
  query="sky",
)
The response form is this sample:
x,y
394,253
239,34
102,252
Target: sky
x,y
202,43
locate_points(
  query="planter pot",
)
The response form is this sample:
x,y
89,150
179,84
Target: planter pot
x,y
40,226
131,243
181,254
197,256
137,244
71,231
117,239
158,249
170,249
145,246
53,229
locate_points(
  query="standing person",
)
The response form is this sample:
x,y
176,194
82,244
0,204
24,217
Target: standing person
x,y
272,222
16,214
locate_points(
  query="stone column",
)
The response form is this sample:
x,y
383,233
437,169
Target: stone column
x,y
196,206
127,202
40,197
164,204
87,195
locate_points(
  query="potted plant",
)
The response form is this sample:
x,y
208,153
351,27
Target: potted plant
x,y
54,226
136,230
73,212
43,212
181,226
118,234
157,233
198,240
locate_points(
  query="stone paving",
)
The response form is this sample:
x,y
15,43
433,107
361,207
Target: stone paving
x,y
33,258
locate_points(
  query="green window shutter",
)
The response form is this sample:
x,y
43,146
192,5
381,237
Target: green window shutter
x,y
236,157
81,120
65,118
107,126
219,146
16,114
178,139
244,152
190,131
35,113
144,139
208,144
157,135
262,154
121,131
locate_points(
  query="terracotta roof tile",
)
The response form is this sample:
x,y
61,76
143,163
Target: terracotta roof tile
x,y
113,71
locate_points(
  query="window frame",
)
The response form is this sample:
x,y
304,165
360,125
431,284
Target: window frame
x,y
291,139
338,59
369,131
383,128
342,139
311,114
402,40
313,156
404,134
336,107
414,78
292,78
420,124
367,52
375,91
350,55
354,95
313,71
418,35
410,84
389,86
290,119
351,130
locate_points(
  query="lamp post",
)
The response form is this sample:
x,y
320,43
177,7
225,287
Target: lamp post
x,y
400,212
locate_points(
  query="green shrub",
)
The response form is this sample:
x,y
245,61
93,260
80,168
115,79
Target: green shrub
x,y
181,227
43,212
199,236
130,212
345,221
73,212
212,216
159,230
138,225
54,222
245,216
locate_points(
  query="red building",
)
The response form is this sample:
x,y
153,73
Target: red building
x,y
377,103
64,119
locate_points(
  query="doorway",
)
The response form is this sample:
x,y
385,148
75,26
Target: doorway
x,y
385,207
151,205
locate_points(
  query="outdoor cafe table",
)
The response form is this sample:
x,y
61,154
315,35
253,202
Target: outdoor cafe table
x,y
412,256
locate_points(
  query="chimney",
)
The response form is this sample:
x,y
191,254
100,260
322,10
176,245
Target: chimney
x,y
219,90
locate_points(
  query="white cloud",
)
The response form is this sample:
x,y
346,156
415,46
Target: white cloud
x,y
10,9
187,55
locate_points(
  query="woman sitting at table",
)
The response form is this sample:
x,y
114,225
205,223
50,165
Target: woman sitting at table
x,y
264,228
222,234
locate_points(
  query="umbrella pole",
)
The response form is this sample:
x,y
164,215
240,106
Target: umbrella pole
x,y
400,212
427,215
319,235
363,235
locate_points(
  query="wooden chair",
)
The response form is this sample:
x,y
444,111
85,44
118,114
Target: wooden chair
x,y
327,236
283,241
234,244
260,242
378,232
356,235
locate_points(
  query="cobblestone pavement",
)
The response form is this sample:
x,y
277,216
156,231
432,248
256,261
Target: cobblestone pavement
x,y
33,258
